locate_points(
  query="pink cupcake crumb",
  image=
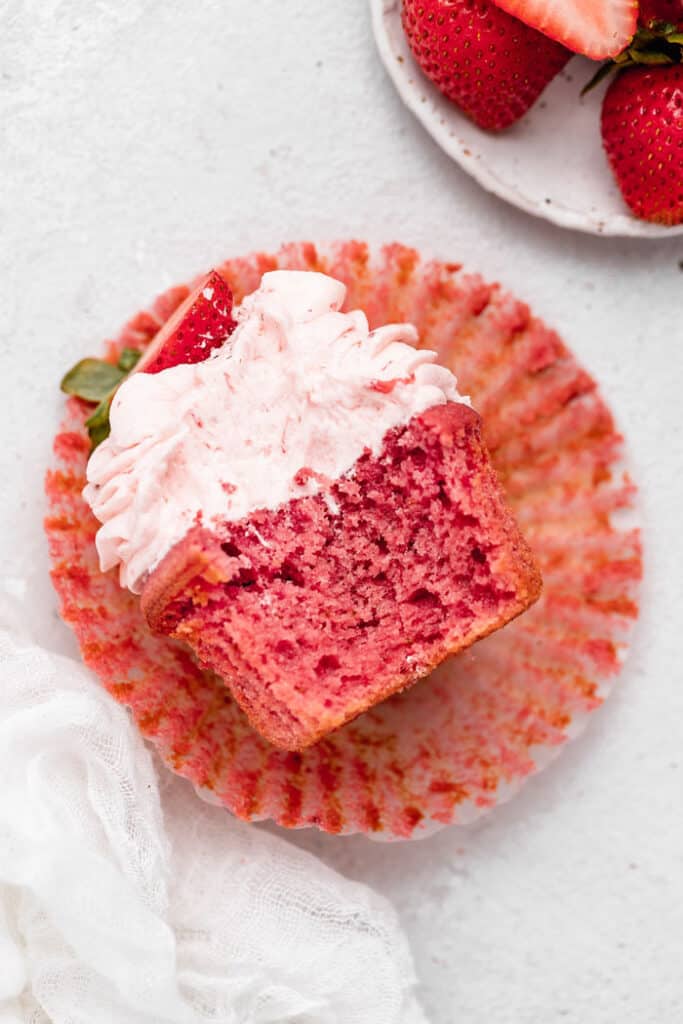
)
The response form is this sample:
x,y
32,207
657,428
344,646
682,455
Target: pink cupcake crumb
x,y
317,610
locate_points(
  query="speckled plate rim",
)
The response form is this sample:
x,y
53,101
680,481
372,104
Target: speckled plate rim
x,y
416,91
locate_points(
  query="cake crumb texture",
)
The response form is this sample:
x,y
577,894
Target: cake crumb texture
x,y
317,610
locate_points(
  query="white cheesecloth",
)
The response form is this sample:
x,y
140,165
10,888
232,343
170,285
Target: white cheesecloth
x,y
125,898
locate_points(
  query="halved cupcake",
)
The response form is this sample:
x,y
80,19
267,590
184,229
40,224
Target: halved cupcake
x,y
311,508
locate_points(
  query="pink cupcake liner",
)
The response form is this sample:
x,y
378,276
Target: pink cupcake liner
x,y
466,738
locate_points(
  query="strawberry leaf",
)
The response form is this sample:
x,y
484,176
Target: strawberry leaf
x,y
96,381
98,424
129,359
649,57
658,44
603,71
92,379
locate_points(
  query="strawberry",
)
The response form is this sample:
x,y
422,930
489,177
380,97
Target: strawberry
x,y
595,28
200,324
488,63
658,12
642,132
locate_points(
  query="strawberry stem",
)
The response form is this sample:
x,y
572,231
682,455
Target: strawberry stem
x,y
659,43
603,72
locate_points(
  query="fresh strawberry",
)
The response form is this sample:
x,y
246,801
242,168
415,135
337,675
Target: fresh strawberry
x,y
596,28
199,325
488,63
661,12
642,131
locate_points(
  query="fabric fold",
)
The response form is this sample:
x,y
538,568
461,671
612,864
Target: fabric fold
x,y
124,897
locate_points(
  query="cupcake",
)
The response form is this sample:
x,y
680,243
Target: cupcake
x,y
471,732
307,504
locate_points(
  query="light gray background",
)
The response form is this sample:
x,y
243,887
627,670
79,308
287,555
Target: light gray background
x,y
143,140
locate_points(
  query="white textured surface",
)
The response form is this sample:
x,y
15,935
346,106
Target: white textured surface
x,y
280,411
125,899
142,142
550,164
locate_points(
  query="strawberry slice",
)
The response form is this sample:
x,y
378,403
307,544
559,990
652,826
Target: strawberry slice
x,y
199,325
596,28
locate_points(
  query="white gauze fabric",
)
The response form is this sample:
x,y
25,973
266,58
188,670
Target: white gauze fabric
x,y
123,897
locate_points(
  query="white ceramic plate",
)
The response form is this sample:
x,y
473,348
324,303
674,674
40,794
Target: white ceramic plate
x,y
550,164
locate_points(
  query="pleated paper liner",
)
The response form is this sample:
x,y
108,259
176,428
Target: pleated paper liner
x,y
460,741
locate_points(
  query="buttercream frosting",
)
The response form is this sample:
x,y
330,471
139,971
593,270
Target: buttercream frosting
x,y
286,406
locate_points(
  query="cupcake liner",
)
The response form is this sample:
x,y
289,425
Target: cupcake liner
x,y
465,738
